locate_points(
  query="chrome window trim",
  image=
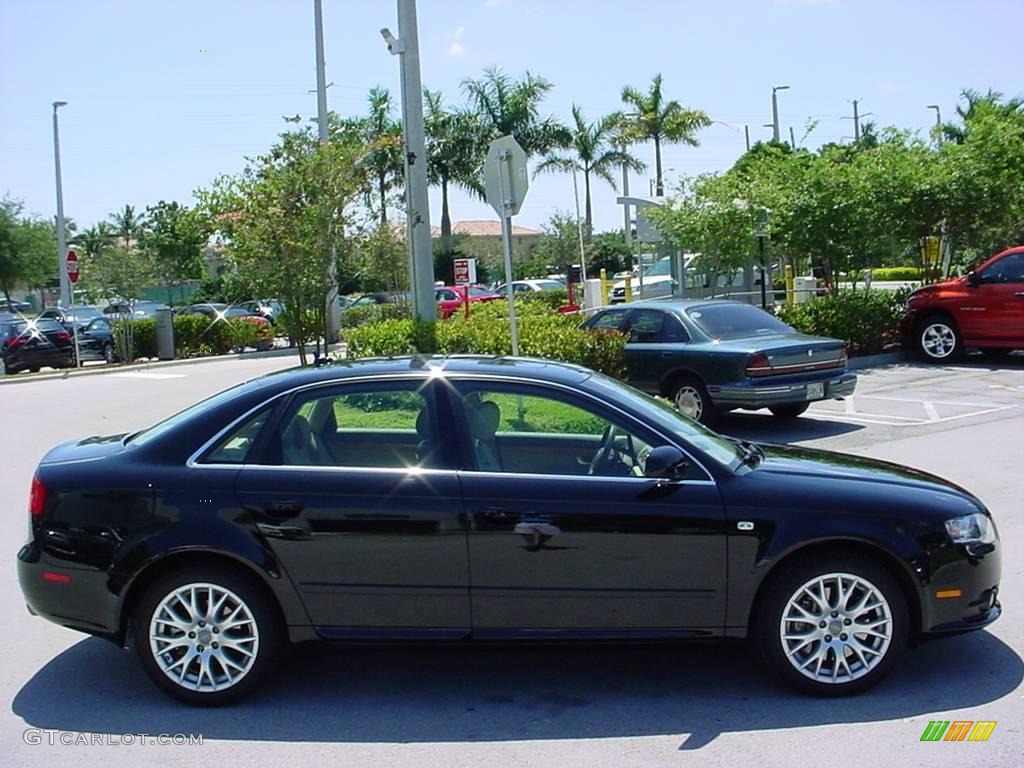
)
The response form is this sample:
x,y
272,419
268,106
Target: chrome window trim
x,y
629,479
192,461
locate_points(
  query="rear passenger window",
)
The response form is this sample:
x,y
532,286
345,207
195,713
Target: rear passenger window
x,y
609,321
234,449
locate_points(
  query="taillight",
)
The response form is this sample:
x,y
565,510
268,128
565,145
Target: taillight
x,y
843,358
62,336
14,341
36,497
759,365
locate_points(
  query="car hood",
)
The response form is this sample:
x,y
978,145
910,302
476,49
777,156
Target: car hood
x,y
957,283
834,469
85,449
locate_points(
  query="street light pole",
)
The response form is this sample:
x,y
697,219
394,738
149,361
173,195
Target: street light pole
x,y
775,110
62,238
938,121
417,231
333,308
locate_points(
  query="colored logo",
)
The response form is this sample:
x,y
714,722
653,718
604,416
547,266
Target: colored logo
x,y
958,730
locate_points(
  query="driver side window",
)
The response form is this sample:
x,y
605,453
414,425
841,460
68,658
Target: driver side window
x,y
540,432
1009,269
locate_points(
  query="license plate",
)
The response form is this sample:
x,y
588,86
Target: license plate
x,y
815,391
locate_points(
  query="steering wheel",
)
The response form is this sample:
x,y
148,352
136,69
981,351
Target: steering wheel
x,y
608,454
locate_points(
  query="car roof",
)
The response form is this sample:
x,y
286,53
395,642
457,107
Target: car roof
x,y
677,304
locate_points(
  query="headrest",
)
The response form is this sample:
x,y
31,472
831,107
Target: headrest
x,y
298,434
422,425
484,420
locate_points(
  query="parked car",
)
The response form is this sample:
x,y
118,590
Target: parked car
x,y
218,311
451,298
476,498
69,317
984,309
271,309
28,345
15,306
96,340
138,309
657,283
710,356
530,286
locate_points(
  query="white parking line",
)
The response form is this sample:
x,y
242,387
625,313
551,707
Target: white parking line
x,y
852,411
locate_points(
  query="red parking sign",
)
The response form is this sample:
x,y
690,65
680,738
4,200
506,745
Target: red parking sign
x,y
71,264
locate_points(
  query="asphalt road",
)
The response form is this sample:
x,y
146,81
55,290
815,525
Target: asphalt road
x,y
626,706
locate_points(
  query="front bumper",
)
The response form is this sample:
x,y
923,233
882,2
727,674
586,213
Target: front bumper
x,y
764,393
976,574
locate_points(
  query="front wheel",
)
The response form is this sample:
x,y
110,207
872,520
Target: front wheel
x,y
207,636
108,354
939,340
789,410
835,629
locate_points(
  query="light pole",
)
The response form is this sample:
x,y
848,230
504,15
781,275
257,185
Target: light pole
x,y
417,229
775,110
333,309
62,238
762,234
938,122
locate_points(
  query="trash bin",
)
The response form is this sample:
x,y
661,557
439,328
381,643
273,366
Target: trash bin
x,y
164,334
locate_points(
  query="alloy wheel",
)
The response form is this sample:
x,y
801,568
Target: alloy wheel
x,y
938,340
203,637
690,402
836,628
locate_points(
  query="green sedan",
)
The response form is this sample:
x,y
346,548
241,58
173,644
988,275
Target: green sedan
x,y
710,356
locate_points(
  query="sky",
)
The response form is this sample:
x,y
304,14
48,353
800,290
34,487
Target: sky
x,y
166,96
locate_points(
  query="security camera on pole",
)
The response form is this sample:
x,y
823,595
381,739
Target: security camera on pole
x,y
506,182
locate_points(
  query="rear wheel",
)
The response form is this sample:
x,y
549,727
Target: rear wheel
x,y
789,410
690,397
832,627
108,353
938,339
206,635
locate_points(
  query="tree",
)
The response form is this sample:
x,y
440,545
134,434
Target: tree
x,y
510,107
455,149
27,248
127,224
655,119
281,218
382,164
174,240
974,104
591,152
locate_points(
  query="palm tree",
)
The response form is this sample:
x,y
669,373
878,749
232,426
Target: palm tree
x,y
657,120
95,240
976,103
455,148
127,224
593,152
384,133
510,107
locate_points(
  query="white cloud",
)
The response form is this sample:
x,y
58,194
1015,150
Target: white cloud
x,y
455,48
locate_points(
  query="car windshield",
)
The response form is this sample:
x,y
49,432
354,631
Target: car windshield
x,y
662,267
148,435
660,413
735,321
237,312
82,314
548,285
476,290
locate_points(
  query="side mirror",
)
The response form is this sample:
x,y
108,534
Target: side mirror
x,y
972,279
666,462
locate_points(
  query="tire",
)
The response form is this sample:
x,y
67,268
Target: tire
x,y
256,636
33,369
937,339
789,410
690,397
789,600
109,357
995,353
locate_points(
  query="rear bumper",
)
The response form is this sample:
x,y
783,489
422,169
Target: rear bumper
x,y
82,602
764,393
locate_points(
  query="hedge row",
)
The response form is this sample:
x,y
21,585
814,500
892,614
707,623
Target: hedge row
x,y
867,322
194,336
488,332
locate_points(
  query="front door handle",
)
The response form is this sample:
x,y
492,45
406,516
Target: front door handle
x,y
667,354
497,513
1020,294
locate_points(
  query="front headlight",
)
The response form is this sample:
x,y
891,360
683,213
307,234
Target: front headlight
x,y
971,529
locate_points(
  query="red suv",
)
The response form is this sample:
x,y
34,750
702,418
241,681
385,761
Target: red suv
x,y
985,309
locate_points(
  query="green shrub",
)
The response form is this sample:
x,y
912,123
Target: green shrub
x,y
551,299
894,274
353,317
541,334
867,322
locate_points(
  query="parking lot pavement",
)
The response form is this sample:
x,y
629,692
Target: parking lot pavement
x,y
481,707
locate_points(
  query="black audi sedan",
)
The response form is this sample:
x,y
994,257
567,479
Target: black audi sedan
x,y
469,498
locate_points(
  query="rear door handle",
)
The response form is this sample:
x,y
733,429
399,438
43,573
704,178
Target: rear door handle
x,y
1019,293
283,509
497,513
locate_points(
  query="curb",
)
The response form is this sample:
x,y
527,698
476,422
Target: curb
x,y
118,368
876,361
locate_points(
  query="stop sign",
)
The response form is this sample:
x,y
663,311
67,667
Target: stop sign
x,y
72,266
